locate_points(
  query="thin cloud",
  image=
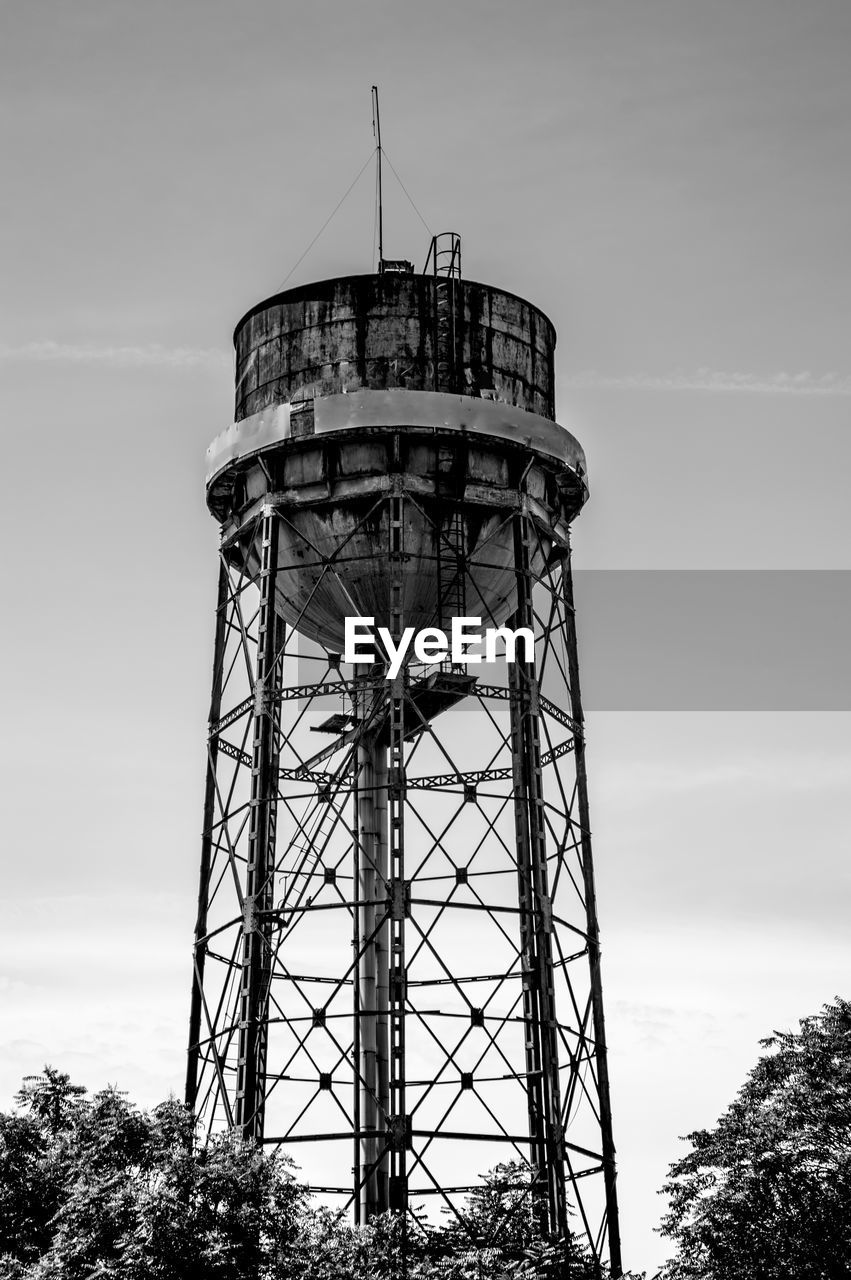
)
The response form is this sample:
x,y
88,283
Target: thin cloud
x,y
152,355
798,384
155,355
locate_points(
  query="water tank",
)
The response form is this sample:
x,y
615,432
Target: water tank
x,y
343,385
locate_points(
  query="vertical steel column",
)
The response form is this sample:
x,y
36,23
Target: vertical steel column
x,y
382,1009
373,975
357,856
593,931
528,950
257,918
546,1136
199,955
357,935
398,1124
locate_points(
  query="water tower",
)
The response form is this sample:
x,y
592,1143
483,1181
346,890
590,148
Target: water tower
x,y
397,966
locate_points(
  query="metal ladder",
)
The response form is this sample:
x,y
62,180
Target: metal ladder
x,y
444,258
307,846
451,566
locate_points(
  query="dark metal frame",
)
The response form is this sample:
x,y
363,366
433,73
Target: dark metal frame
x,y
525,1069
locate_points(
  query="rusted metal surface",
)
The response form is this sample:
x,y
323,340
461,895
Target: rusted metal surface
x,y
380,331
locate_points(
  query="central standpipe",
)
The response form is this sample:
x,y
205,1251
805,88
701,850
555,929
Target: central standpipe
x,y
373,975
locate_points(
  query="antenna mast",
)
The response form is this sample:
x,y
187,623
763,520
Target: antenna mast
x,y
376,129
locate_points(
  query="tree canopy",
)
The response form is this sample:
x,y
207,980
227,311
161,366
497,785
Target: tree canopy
x,y
94,1187
766,1194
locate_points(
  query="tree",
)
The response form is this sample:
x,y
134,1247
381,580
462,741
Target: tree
x,y
95,1187
766,1194
50,1098
498,1234
29,1189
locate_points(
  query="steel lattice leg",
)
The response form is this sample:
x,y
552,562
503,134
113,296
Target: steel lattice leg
x,y
258,902
600,1049
200,946
418,997
545,1135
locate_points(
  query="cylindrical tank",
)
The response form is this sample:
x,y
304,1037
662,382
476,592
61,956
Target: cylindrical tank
x,y
342,385
380,331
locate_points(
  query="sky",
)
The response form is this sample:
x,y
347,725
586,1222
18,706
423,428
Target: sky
x,y
669,181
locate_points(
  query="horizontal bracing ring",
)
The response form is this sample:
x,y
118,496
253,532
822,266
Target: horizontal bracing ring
x,y
426,782
455,1135
497,692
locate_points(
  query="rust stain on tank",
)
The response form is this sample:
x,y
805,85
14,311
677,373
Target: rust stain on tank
x,y
379,332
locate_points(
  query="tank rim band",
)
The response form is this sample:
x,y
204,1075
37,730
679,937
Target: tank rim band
x,y
395,409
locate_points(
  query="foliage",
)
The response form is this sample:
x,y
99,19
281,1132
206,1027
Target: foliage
x,y
97,1188
29,1190
93,1187
498,1236
766,1194
50,1098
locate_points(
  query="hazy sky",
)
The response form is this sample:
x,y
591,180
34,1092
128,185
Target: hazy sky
x,y
670,182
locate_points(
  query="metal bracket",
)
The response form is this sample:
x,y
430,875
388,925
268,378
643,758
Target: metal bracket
x,y
398,985
546,913
399,895
396,783
399,1135
397,1193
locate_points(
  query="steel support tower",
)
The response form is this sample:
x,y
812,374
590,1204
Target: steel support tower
x,y
397,958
